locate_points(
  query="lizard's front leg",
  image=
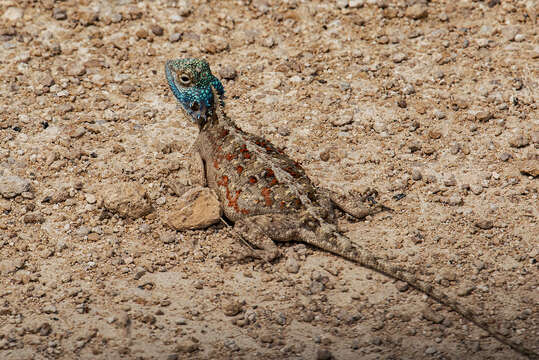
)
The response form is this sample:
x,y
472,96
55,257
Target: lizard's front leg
x,y
197,168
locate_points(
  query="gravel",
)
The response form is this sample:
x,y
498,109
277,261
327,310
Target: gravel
x,y
430,104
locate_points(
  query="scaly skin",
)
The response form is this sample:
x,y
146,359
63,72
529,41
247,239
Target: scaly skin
x,y
268,196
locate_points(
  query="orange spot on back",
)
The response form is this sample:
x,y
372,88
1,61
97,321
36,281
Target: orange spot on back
x,y
266,192
230,156
233,201
245,152
253,180
216,164
239,169
223,181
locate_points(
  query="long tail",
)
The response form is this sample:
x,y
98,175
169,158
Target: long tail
x,y
342,246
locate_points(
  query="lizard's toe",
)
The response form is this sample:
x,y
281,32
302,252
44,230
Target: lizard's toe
x,y
268,255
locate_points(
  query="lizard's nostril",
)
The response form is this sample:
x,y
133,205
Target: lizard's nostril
x,y
195,106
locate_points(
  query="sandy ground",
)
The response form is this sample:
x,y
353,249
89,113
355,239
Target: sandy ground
x,y
433,100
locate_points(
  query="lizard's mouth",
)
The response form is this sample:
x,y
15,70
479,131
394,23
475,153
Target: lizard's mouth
x,y
195,106
198,112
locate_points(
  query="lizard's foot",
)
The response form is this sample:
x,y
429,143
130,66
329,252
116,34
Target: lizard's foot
x,y
255,235
356,204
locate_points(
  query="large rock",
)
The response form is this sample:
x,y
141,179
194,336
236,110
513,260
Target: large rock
x,y
11,186
198,208
127,200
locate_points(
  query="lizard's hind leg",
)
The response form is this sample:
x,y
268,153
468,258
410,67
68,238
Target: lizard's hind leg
x,y
262,230
356,204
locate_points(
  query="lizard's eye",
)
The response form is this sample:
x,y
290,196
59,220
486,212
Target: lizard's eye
x,y
184,79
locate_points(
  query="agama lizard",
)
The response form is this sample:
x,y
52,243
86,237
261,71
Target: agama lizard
x,y
268,196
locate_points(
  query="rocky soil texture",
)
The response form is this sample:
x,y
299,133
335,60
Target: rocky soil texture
x,y
434,104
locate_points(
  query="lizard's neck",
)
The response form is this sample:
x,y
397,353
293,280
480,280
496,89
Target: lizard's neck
x,y
218,119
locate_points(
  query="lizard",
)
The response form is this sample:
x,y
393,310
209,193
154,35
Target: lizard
x,y
269,197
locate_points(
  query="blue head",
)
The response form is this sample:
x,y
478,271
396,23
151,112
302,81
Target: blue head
x,y
191,81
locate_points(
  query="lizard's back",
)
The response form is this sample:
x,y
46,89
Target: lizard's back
x,y
251,176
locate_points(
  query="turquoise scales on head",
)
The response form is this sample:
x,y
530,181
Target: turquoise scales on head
x,y
191,81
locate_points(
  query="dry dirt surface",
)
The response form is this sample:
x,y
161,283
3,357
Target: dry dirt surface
x,y
433,104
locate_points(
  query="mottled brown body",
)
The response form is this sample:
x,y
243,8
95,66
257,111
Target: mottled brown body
x,y
270,198
252,177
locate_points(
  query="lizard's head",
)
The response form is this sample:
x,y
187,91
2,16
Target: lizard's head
x,y
191,81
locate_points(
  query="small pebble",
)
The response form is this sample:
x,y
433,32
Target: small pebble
x,y
439,114
316,287
141,33
228,72
292,265
408,89
144,228
416,11
353,4
343,119
157,30
433,316
308,316
324,354
59,14
520,37
127,89
416,175
175,37
401,286
450,181
476,189
484,224
483,116
168,238
325,155
519,140
231,345
435,134
232,308
283,130
341,4
90,198
455,200
505,157
399,57
187,346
